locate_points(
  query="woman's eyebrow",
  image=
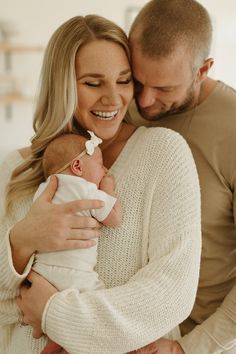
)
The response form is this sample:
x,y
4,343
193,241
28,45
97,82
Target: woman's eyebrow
x,y
91,75
96,75
127,71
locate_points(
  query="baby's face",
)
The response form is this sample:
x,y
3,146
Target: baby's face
x,y
93,168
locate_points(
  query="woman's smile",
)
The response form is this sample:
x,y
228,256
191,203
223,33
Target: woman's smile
x,y
104,115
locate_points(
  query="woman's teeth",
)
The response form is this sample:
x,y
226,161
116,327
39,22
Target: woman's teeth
x,y
105,115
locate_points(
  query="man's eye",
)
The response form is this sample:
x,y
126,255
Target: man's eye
x,y
166,89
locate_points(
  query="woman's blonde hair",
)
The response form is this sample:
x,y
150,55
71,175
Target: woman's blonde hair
x,y
57,97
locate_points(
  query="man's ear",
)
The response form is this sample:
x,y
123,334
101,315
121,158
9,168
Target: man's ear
x,y
76,167
204,69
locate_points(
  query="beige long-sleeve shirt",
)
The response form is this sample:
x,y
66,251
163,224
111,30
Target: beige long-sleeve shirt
x,y
210,130
150,265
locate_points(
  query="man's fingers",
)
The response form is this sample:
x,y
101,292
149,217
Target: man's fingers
x,y
80,205
49,192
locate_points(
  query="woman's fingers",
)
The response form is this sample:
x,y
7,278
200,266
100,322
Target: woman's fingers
x,y
81,205
47,227
83,234
37,333
32,301
84,224
50,190
33,276
79,244
18,302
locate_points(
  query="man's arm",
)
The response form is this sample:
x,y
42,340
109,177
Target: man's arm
x,y
214,336
217,334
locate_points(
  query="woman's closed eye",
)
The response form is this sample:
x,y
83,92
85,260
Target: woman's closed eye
x,y
125,81
93,83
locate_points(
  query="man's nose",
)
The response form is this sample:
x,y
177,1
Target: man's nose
x,y
146,97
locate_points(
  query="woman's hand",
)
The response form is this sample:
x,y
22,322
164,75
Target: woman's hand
x,y
53,227
160,346
32,301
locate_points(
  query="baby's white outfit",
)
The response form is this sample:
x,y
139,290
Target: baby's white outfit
x,y
73,268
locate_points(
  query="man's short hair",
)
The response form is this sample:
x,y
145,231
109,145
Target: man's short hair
x,y
163,25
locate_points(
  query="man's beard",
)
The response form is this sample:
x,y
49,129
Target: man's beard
x,y
188,103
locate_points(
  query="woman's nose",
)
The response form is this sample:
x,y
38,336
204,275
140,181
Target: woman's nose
x,y
111,97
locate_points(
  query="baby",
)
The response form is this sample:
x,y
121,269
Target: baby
x,y
78,165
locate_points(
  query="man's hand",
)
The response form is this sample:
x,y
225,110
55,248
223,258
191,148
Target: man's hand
x,y
32,301
160,346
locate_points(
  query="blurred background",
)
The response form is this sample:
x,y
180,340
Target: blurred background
x,y
26,26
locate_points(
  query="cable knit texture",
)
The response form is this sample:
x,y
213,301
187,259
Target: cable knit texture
x,y
150,265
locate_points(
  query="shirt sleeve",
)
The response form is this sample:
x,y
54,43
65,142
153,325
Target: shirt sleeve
x,y
102,213
9,278
159,296
217,334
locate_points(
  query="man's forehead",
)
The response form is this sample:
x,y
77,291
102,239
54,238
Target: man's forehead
x,y
159,72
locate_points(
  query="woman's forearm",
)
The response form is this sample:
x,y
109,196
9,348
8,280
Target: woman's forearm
x,y
20,252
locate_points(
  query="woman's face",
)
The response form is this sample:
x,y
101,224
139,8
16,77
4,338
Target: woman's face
x,y
104,87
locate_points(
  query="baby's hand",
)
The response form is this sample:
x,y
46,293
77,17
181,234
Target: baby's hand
x,y
107,184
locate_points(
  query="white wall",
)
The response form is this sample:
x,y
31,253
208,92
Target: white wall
x,y
223,14
35,21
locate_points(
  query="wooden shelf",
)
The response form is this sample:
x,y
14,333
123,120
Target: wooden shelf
x,y
10,91
17,48
14,98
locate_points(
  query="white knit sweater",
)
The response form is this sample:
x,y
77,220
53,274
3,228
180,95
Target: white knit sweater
x,y
150,265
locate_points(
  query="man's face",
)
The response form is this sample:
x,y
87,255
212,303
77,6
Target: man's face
x,y
163,86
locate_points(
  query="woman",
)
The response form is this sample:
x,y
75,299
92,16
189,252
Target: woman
x,y
150,264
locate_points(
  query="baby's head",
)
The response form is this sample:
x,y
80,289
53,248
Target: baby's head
x,y
75,155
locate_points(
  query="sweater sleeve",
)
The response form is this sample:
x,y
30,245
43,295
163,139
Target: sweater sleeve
x,y
160,295
9,278
217,334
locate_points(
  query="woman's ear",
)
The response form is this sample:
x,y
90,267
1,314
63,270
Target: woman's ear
x,y
76,167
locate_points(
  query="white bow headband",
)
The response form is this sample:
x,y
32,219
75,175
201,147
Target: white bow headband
x,y
92,143
90,146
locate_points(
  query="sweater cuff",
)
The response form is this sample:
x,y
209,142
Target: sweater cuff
x,y
10,277
46,312
215,335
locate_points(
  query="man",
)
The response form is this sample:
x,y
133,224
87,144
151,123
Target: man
x,y
170,44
